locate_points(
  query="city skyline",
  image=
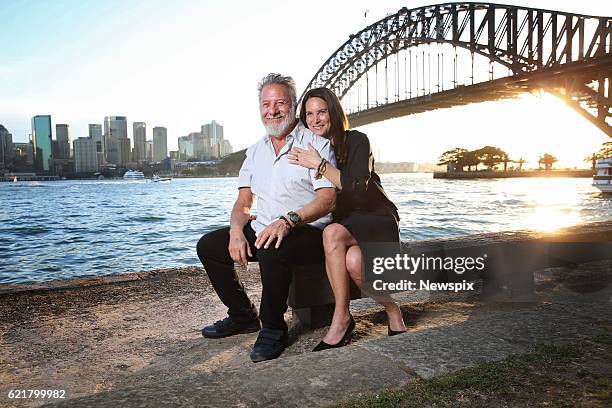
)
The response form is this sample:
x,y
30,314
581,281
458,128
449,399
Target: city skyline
x,y
185,73
50,153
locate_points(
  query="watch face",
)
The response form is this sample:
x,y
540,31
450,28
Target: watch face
x,y
294,218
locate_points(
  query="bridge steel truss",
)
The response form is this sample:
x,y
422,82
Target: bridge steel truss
x,y
563,53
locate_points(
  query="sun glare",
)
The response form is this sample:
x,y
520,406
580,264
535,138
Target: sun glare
x,y
551,204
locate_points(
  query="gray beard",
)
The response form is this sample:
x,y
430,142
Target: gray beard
x,y
282,128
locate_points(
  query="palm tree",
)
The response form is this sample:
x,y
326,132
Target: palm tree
x,y
547,160
604,151
592,158
520,162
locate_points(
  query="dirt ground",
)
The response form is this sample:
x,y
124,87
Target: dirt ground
x,y
88,339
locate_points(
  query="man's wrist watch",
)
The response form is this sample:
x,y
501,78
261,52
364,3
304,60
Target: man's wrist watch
x,y
294,218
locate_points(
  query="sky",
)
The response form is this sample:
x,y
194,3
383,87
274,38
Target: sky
x,y
181,64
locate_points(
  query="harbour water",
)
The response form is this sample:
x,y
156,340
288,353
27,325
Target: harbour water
x,y
65,229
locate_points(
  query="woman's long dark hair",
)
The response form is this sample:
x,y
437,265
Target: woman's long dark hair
x,y
338,123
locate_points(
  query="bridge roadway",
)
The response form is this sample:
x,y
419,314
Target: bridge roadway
x,y
502,88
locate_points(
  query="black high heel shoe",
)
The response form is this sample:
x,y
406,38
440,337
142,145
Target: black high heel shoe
x,y
343,341
393,332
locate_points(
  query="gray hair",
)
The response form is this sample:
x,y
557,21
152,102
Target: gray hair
x,y
279,79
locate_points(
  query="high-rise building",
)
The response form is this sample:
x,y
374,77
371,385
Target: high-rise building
x,y
149,150
185,145
85,155
42,142
193,146
6,147
124,147
115,128
95,133
62,135
160,143
140,139
24,150
226,148
213,132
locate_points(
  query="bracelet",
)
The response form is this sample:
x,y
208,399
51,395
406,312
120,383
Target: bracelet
x,y
321,169
282,217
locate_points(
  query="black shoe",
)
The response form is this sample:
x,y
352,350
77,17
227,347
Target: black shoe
x,y
393,332
269,345
228,327
343,341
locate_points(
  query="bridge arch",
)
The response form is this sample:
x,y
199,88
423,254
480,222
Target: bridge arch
x,y
563,53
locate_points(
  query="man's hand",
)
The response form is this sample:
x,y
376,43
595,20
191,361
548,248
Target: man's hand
x,y
275,231
239,247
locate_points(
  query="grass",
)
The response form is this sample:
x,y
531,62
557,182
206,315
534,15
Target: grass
x,y
574,375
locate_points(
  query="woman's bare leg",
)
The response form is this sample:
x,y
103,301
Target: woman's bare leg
x,y
336,240
354,262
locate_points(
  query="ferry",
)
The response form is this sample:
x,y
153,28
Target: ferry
x,y
603,179
133,175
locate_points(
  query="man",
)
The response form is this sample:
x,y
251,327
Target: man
x,y
293,206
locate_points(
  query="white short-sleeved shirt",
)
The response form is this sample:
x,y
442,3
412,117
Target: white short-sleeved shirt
x,y
280,186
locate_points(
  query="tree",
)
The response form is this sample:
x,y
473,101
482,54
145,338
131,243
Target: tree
x,y
520,162
491,156
592,158
547,160
604,151
470,159
453,157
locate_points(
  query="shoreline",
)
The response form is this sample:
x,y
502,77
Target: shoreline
x,y
466,175
169,273
162,274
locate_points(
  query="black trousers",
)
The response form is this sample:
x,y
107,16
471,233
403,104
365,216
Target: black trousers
x,y
303,246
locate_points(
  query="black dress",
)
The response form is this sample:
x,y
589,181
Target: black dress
x,y
362,205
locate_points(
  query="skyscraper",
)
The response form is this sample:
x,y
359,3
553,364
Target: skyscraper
x,y
6,147
124,150
149,150
62,135
213,132
25,151
185,146
140,139
42,142
160,143
226,148
95,133
115,128
85,155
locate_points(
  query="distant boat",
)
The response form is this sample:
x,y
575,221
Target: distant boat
x,y
133,175
603,179
15,179
157,179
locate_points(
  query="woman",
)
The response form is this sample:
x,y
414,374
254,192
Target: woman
x,y
363,212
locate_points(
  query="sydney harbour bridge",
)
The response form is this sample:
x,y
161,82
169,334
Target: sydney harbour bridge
x,y
451,54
